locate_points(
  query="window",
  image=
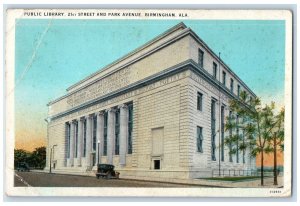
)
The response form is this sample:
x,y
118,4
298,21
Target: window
x,y
130,126
84,138
94,132
250,99
105,134
215,69
230,135
224,78
237,139
213,129
199,101
222,133
117,132
231,85
68,136
199,139
238,90
200,57
76,139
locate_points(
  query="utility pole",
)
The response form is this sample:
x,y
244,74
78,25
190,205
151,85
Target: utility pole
x,y
50,161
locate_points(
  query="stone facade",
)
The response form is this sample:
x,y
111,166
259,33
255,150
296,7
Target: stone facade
x,y
140,113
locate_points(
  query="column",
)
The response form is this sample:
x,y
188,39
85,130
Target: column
x,y
72,143
100,137
88,140
110,135
80,141
123,133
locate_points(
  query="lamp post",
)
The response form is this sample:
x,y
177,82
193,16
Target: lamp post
x,y
51,151
98,152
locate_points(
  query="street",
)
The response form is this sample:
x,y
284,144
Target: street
x,y
39,179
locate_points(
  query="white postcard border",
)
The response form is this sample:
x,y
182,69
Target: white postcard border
x,y
286,15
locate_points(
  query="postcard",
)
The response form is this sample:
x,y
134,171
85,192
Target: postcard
x,y
148,102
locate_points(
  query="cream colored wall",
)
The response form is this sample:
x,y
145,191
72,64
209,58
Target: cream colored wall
x,y
170,104
159,109
208,64
203,119
167,103
162,59
185,126
156,105
56,134
203,160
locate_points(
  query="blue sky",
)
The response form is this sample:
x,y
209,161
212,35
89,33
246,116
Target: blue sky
x,y
51,55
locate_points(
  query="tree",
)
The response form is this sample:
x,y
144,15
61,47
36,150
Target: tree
x,y
41,154
276,140
20,155
254,124
38,157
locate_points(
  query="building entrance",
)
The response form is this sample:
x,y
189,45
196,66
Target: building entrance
x,y
157,147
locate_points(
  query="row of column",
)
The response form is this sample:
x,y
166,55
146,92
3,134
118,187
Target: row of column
x,y
111,137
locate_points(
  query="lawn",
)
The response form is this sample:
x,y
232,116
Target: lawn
x,y
232,178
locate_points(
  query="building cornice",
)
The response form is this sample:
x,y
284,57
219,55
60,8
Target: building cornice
x,y
187,65
131,87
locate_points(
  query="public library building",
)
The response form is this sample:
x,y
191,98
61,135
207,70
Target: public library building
x,y
158,112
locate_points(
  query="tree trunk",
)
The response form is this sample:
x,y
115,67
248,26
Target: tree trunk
x,y
275,162
262,168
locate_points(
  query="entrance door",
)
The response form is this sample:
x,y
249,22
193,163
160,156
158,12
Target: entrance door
x,y
157,148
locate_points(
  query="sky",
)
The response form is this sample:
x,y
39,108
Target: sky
x,y
51,55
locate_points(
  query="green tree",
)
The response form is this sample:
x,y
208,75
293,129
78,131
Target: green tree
x,y
38,157
276,140
253,123
20,155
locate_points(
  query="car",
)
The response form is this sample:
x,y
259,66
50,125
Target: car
x,y
23,167
106,171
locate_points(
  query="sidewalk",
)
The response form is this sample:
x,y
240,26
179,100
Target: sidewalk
x,y
268,183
